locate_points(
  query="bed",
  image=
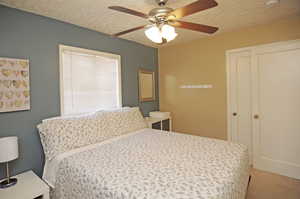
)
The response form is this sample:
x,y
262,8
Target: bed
x,y
140,163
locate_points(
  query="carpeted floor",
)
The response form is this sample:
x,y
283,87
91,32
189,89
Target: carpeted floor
x,y
265,185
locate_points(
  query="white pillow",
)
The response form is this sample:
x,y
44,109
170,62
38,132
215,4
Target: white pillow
x,y
63,134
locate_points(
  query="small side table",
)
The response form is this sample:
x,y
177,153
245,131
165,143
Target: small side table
x,y
152,120
29,186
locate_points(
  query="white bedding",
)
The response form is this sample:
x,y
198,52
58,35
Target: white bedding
x,y
51,166
151,164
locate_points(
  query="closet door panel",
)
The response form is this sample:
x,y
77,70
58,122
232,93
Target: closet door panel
x,y
277,103
240,98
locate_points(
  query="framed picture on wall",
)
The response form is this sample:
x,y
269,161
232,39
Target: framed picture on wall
x,y
14,85
146,85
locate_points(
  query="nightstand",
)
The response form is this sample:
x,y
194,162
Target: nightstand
x,y
29,186
159,123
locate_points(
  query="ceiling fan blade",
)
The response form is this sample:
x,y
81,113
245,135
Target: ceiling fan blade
x,y
128,31
193,8
128,11
194,26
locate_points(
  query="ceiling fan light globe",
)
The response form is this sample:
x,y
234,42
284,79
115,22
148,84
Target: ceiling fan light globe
x,y
153,33
168,32
171,37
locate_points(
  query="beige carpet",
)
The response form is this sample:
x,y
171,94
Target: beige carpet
x,y
265,185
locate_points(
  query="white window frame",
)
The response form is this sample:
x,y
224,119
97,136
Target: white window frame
x,y
63,48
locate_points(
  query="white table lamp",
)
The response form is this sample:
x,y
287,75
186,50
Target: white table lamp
x,y
9,151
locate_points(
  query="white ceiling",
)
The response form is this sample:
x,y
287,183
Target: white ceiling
x,y
93,14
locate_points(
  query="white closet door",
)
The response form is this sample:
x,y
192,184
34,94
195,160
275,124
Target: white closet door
x,y
240,111
276,102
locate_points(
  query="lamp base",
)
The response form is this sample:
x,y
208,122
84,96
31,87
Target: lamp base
x,y
8,183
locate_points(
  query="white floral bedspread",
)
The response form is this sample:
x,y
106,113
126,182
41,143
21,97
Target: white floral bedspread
x,y
152,164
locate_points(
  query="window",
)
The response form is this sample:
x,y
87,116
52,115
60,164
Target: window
x,y
89,80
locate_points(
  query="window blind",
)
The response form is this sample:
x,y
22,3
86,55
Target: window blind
x,y
90,82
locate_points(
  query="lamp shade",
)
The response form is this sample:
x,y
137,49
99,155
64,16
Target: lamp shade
x,y
9,149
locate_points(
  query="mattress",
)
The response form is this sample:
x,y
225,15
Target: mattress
x,y
151,164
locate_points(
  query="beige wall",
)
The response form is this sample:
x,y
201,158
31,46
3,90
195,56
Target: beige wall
x,y
203,111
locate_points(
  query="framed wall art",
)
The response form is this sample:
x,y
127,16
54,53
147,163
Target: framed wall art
x,y
146,85
14,85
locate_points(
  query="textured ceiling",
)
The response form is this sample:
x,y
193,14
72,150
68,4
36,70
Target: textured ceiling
x,y
94,14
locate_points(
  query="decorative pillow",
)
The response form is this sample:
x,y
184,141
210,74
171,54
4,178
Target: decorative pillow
x,y
63,134
122,121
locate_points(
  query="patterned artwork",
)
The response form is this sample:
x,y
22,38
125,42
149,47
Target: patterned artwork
x,y
14,85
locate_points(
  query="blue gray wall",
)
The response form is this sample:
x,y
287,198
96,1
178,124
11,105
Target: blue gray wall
x,y
28,36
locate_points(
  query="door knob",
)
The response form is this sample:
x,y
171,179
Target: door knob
x,y
234,114
256,116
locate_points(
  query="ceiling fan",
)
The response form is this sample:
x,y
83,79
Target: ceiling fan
x,y
163,20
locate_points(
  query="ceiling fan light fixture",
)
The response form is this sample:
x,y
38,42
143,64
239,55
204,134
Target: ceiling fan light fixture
x,y
160,31
168,32
153,33
157,34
